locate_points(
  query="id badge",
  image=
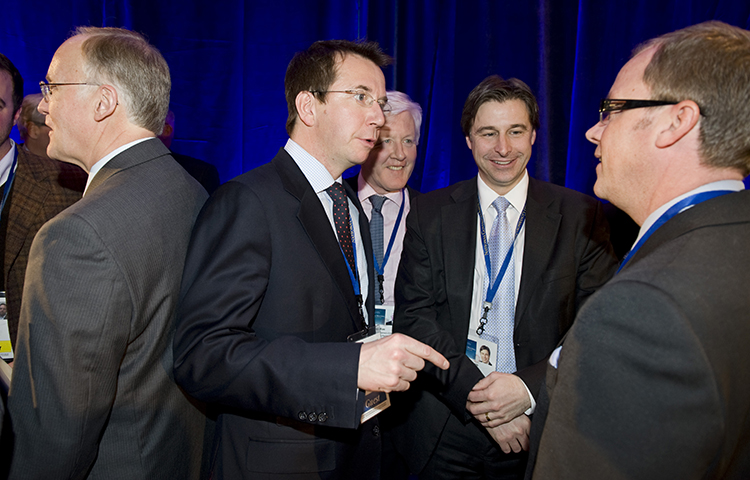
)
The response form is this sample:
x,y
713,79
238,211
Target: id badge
x,y
6,349
482,351
375,402
384,320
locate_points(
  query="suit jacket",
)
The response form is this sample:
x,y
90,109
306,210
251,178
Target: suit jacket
x,y
653,380
92,394
41,189
204,172
267,306
567,256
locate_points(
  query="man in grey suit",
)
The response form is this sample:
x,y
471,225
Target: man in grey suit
x,y
652,381
92,394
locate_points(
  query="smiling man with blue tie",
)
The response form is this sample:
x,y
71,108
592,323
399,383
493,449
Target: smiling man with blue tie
x,y
501,261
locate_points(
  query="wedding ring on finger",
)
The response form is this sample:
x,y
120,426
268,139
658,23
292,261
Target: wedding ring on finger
x,y
487,416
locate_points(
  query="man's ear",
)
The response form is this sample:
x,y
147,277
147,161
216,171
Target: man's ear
x,y
306,103
684,117
107,102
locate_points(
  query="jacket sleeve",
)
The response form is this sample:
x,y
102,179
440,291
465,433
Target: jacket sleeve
x,y
220,357
72,338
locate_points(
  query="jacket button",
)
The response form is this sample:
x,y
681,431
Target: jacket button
x,y
302,416
376,431
312,416
322,417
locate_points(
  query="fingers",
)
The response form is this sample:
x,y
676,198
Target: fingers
x,y
486,381
391,363
425,352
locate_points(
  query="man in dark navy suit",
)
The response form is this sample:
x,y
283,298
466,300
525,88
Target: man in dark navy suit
x,y
280,261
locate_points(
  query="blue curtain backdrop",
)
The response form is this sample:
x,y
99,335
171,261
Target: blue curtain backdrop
x,y
228,61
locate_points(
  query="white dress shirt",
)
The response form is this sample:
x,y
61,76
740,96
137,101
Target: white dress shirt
x,y
517,198
390,212
320,179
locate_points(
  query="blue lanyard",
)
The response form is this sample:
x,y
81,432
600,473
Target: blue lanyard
x,y
381,268
674,210
9,181
354,274
492,289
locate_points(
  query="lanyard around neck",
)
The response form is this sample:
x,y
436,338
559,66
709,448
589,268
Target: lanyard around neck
x,y
673,210
492,289
381,268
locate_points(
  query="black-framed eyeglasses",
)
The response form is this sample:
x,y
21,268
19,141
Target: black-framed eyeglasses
x,y
610,105
362,97
46,87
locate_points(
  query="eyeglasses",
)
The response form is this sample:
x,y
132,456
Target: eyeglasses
x,y
46,88
362,97
609,105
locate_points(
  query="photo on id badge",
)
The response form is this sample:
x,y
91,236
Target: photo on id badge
x,y
482,351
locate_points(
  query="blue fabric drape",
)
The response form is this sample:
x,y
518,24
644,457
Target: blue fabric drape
x,y
228,61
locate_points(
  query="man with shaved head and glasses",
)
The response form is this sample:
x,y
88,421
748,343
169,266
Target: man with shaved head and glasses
x,y
92,393
652,381
281,261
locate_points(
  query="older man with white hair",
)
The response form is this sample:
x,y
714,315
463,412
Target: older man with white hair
x,y
92,393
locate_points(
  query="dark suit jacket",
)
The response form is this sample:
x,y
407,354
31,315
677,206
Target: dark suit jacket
x,y
267,306
653,378
92,394
567,256
41,189
206,174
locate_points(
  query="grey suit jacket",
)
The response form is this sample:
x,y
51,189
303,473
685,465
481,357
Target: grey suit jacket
x,y
42,188
567,256
653,379
92,394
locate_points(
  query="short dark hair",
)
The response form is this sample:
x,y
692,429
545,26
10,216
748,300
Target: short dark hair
x,y
7,66
708,63
314,69
495,89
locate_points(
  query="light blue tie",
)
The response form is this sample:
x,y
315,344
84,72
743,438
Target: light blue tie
x,y
500,320
376,233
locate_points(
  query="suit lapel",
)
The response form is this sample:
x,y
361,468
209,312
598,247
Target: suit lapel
x,y
316,225
459,232
716,211
542,225
137,154
25,192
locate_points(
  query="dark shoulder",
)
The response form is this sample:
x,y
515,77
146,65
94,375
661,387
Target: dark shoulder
x,y
570,203
457,192
59,174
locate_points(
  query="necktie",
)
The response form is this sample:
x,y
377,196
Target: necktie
x,y
376,233
341,221
500,320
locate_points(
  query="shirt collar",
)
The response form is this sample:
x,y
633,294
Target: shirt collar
x,y
98,165
316,174
6,162
365,191
516,197
735,185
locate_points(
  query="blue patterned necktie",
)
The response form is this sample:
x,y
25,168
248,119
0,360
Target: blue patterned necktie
x,y
500,320
376,233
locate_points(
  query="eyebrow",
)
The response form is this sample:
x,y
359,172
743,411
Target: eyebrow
x,y
488,127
